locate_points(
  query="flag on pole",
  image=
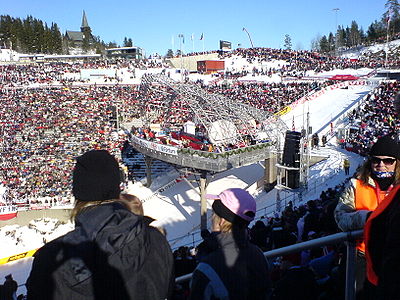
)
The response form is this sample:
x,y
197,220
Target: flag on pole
x,y
192,37
202,37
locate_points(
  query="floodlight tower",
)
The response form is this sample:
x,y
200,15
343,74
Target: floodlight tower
x,y
336,28
251,42
181,41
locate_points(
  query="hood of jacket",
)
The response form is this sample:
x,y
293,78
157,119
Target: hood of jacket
x,y
107,238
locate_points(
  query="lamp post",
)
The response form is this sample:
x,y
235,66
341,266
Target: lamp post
x,y
181,41
336,29
251,42
387,39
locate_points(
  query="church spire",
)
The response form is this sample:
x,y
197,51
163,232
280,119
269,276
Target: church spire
x,y
84,22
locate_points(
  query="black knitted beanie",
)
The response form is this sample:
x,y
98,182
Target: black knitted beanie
x,y
96,177
385,146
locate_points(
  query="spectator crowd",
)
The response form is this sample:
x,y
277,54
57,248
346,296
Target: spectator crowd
x,y
41,125
44,129
375,117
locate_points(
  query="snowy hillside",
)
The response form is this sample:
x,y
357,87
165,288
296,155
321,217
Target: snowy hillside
x,y
374,50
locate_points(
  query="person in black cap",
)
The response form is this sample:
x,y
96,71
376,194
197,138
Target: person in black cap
x,y
235,268
112,253
382,242
10,287
377,177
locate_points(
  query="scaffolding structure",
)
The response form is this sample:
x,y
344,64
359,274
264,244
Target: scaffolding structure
x,y
227,121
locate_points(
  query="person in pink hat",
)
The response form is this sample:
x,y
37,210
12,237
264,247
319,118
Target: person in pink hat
x,y
234,268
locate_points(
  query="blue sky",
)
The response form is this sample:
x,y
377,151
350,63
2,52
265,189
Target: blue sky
x,y
154,24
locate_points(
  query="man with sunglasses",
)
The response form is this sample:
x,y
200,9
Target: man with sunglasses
x,y
377,177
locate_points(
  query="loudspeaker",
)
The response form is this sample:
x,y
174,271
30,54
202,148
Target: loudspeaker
x,y
293,179
291,149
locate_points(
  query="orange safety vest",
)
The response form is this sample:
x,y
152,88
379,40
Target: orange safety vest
x,y
371,275
367,197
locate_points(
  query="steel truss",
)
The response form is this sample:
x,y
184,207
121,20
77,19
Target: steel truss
x,y
204,108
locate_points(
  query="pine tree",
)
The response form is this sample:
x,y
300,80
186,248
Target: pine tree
x,y
341,37
347,37
331,42
16,34
170,53
392,13
287,42
127,42
56,38
363,36
354,35
38,36
27,41
324,44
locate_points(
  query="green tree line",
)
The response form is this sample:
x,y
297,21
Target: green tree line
x,y
353,36
30,35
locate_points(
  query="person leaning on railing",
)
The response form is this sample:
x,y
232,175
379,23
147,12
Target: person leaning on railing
x,y
233,268
376,178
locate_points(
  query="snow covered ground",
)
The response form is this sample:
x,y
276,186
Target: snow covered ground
x,y
366,51
176,205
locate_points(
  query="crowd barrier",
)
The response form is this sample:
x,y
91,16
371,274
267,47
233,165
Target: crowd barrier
x,y
15,257
349,237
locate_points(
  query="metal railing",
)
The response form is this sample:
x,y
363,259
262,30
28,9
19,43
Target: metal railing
x,y
349,237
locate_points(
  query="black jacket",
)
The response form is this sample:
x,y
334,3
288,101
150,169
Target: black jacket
x,y
382,237
236,269
296,283
9,288
111,254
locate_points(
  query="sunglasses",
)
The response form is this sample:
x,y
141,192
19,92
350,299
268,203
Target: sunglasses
x,y
386,161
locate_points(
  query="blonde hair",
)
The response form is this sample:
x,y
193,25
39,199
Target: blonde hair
x,y
131,202
81,206
226,226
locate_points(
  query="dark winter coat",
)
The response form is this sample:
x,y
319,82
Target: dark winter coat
x,y
297,283
311,222
236,269
9,288
111,254
382,238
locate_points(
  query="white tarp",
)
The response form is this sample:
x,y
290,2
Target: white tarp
x,y
223,131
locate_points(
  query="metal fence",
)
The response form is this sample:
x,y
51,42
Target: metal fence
x,y
349,238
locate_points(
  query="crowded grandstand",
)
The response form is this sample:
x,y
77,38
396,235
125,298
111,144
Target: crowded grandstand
x,y
51,112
